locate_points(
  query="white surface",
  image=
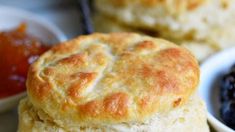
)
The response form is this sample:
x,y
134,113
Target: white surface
x,y
46,31
211,72
63,13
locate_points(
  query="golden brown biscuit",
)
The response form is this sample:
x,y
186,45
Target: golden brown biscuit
x,y
111,78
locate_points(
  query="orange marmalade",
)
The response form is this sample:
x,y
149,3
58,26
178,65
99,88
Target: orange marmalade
x,y
17,51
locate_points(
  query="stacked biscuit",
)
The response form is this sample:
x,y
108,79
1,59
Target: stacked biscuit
x,y
202,26
118,82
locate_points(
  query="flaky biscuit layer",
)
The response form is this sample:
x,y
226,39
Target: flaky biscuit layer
x,y
189,117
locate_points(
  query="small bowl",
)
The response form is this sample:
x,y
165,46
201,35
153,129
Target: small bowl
x,y
10,18
211,72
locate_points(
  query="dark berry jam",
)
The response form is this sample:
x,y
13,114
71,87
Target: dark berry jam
x,y
227,98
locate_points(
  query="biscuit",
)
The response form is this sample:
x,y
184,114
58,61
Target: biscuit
x,y
202,23
111,78
190,117
177,19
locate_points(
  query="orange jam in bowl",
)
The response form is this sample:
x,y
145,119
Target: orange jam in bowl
x,y
17,51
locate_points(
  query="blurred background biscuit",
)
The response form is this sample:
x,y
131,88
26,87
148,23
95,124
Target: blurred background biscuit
x,y
209,22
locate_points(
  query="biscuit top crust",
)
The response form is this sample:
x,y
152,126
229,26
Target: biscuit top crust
x,y
111,78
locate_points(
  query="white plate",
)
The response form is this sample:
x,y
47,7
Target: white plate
x,y
44,30
10,18
211,72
